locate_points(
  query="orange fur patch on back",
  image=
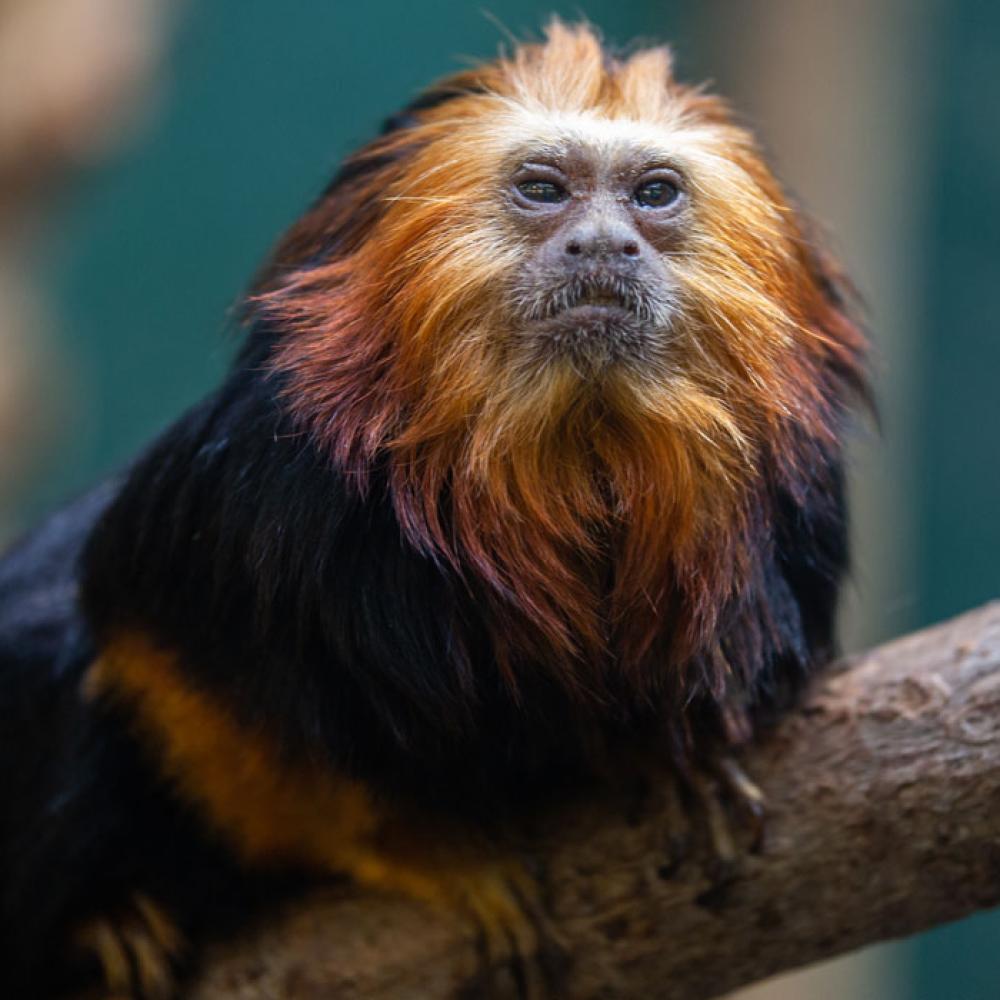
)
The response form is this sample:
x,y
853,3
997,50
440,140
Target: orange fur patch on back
x,y
266,809
275,812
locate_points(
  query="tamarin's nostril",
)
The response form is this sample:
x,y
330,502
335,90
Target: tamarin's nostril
x,y
630,248
573,247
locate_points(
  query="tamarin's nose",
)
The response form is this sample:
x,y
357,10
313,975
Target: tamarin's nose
x,y
602,242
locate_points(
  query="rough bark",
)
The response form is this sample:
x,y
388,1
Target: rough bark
x,y
883,820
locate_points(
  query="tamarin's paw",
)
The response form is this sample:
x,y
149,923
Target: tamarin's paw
x,y
716,803
137,949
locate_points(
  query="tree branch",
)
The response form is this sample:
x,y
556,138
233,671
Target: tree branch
x,y
883,819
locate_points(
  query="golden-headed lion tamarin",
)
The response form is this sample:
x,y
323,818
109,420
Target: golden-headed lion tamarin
x,y
533,452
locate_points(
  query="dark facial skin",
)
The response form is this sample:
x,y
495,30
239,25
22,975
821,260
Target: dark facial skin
x,y
594,290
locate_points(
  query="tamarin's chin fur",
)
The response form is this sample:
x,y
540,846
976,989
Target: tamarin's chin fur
x,y
534,449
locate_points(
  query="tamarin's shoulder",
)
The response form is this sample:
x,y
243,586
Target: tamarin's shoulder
x,y
231,491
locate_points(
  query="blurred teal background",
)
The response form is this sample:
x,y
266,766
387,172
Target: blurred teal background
x,y
884,116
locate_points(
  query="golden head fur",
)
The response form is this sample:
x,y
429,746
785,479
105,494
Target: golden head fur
x,y
606,515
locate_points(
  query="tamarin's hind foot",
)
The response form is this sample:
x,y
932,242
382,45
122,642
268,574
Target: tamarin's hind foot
x,y
137,949
520,951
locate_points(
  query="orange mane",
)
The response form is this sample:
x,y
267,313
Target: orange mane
x,y
606,527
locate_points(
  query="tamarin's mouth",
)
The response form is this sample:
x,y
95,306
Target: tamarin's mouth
x,y
597,295
594,333
593,321
602,299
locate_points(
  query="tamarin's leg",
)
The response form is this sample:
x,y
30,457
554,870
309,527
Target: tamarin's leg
x,y
275,813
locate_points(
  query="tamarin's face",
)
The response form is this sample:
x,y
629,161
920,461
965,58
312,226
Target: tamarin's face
x,y
598,207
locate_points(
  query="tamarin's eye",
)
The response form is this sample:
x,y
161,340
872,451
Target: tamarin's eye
x,y
546,192
656,193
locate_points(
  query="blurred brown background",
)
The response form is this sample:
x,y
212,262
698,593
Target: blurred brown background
x,y
150,152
